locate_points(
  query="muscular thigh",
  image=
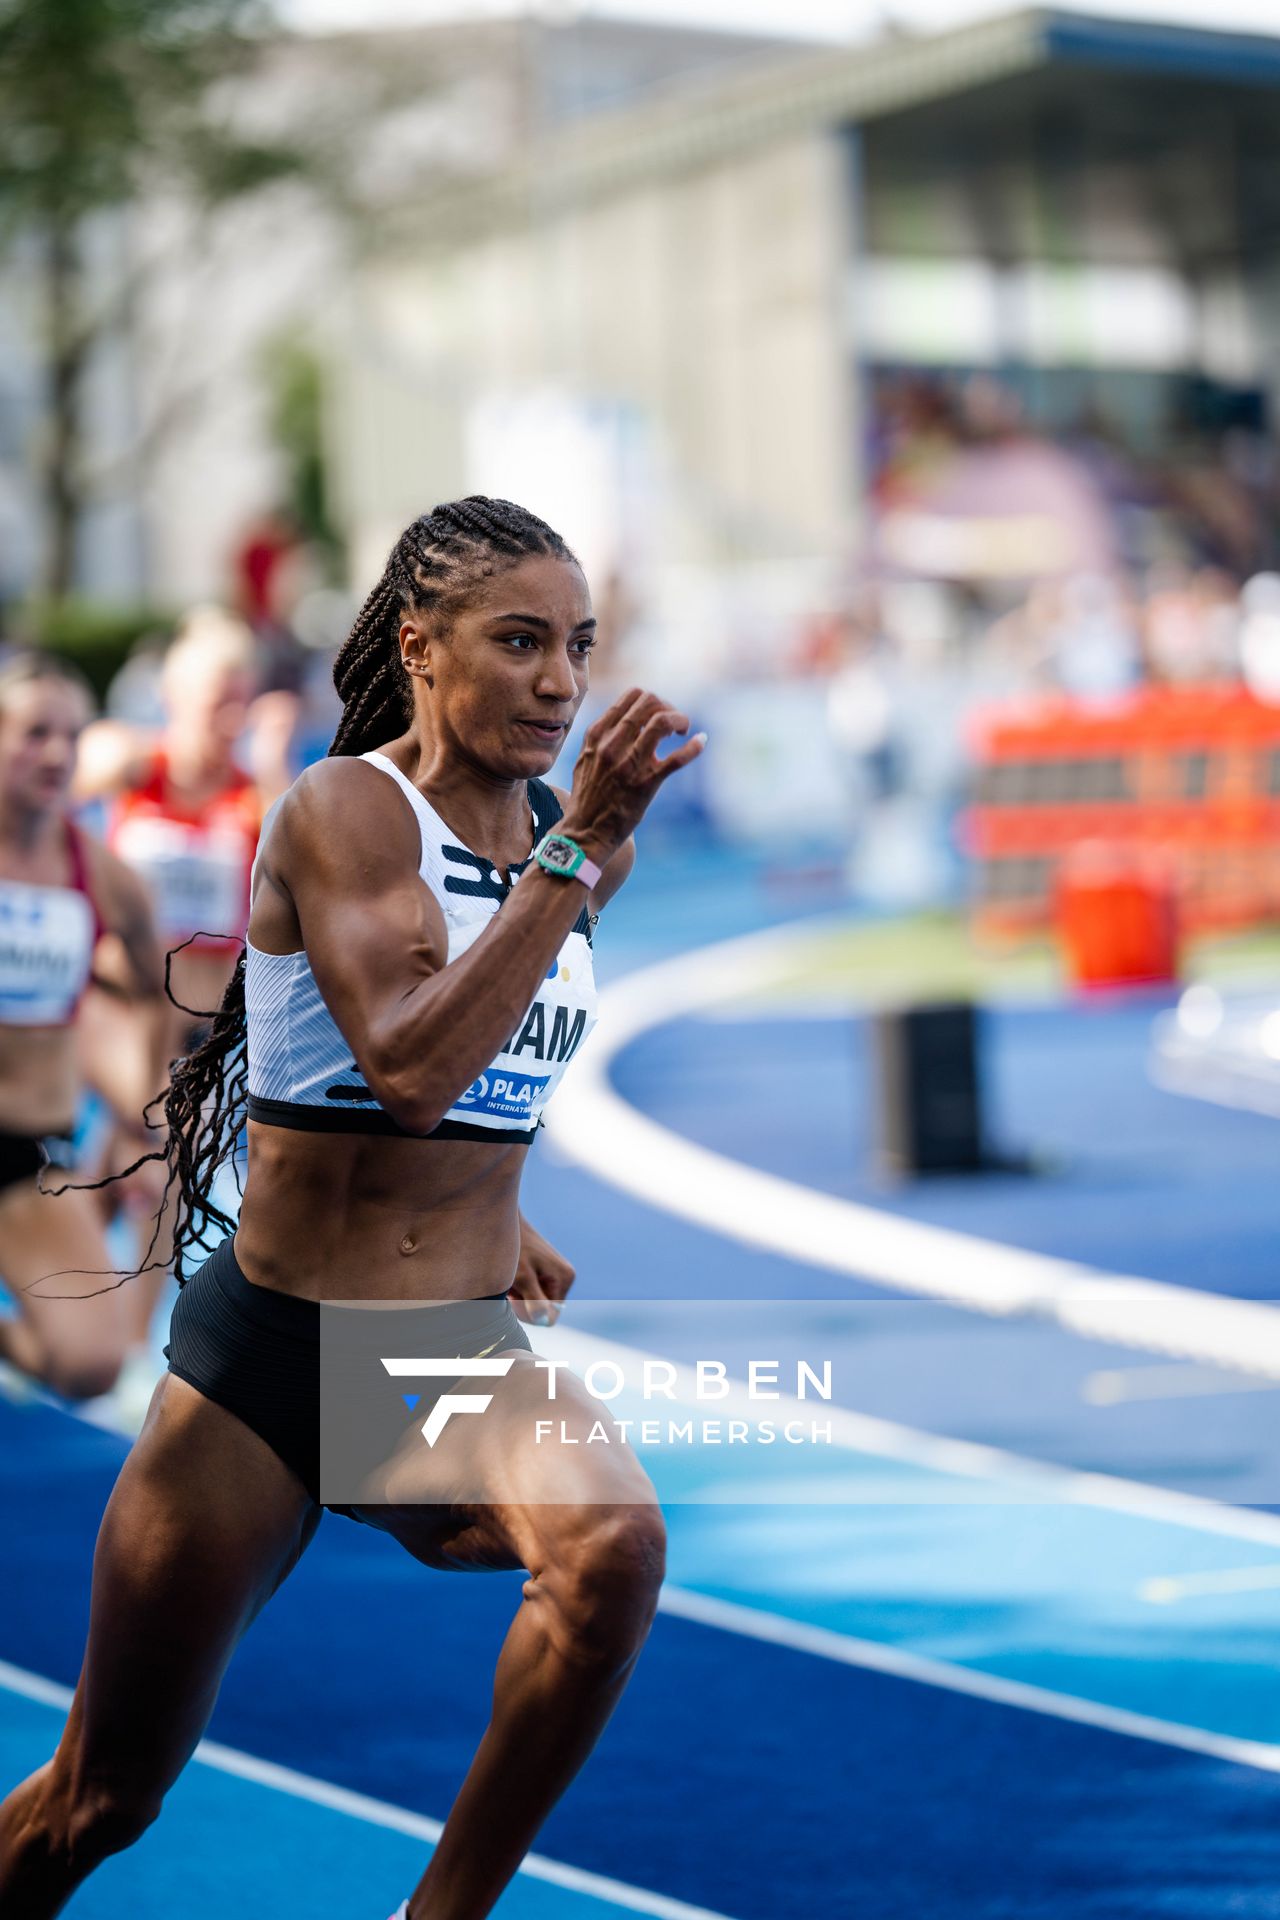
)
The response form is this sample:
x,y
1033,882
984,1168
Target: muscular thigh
x,y
496,1486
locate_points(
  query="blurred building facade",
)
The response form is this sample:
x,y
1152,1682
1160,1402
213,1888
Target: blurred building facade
x,y
176,415
710,328
872,385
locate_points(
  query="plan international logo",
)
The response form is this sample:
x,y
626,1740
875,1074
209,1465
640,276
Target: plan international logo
x,y
511,1095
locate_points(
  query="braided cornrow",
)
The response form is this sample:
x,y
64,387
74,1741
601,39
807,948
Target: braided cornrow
x,y
434,568
208,1084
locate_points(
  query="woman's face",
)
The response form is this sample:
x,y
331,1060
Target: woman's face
x,y
509,672
40,724
209,699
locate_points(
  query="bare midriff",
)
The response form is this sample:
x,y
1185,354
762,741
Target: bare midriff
x,y
39,1080
369,1217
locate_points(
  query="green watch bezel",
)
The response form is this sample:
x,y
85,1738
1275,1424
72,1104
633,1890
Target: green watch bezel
x,y
561,871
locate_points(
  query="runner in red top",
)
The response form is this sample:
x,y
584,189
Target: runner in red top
x,y
195,855
185,815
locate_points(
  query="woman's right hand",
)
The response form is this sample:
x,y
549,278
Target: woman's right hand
x,y
618,770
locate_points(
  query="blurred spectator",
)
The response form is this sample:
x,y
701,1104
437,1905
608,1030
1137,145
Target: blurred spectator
x,y
953,448
1260,636
182,809
1190,624
992,499
1095,646
263,593
134,697
185,814
271,571
860,713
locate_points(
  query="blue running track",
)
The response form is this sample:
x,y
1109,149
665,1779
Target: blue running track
x,y
915,1679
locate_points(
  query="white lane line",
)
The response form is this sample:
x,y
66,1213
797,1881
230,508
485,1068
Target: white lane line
x,y
377,1813
595,1126
1116,1386
1164,1589
803,1638
1008,1477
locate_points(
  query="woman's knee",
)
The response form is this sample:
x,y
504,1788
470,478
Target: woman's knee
x,y
89,1823
74,1366
83,1376
603,1571
114,1820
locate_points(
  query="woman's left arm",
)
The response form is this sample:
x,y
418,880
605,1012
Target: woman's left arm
x,y
614,871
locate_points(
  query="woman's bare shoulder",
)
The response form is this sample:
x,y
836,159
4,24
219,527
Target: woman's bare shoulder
x,y
342,807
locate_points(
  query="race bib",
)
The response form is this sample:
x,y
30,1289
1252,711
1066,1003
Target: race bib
x,y
46,946
196,876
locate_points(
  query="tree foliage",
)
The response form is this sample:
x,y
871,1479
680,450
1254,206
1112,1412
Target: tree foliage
x,y
94,94
101,103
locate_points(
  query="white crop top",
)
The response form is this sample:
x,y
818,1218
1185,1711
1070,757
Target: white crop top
x,y
301,1070
47,938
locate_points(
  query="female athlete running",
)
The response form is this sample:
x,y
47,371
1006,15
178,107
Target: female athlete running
x,y
59,890
185,815
418,974
181,810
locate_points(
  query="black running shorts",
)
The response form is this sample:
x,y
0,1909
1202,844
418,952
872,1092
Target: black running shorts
x,y
257,1352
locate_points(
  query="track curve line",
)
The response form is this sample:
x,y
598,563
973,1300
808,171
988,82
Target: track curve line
x,y
593,1125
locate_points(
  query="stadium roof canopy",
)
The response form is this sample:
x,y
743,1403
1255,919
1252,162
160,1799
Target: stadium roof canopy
x,y
1194,110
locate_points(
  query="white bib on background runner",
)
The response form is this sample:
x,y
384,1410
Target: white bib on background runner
x,y
195,874
46,949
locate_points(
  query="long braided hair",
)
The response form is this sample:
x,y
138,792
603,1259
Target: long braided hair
x,y
434,568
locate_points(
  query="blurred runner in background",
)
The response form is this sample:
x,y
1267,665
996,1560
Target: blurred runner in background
x,y
184,813
60,891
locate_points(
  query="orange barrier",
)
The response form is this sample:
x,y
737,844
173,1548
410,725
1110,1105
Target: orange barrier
x,y
1117,917
1193,771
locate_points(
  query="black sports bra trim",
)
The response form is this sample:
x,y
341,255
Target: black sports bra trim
x,y
303,1119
